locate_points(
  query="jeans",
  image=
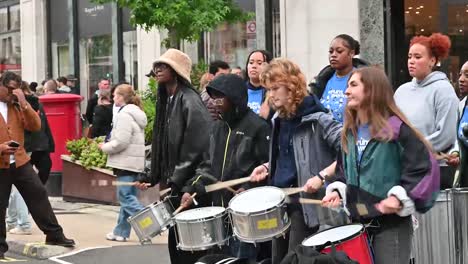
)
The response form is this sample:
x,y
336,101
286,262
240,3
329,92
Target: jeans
x,y
129,205
17,214
391,242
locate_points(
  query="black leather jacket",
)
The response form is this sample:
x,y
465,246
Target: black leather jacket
x,y
179,143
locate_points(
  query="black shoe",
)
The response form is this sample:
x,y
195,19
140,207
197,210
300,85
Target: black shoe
x,y
61,241
2,255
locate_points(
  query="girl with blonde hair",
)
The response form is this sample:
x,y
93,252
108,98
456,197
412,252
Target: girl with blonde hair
x,y
126,155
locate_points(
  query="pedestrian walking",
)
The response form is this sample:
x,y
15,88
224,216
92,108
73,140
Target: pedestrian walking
x,y
102,117
126,155
382,163
15,169
332,80
429,100
180,134
304,144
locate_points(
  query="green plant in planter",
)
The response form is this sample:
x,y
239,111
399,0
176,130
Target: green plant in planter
x,y
148,97
197,71
87,152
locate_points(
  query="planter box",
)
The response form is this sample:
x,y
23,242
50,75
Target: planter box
x,y
94,185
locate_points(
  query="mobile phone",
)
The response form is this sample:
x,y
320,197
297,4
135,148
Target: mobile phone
x,y
13,144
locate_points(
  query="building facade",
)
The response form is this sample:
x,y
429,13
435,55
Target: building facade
x,y
43,39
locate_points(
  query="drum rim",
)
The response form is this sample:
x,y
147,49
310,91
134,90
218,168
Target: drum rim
x,y
361,231
198,219
282,201
204,247
147,208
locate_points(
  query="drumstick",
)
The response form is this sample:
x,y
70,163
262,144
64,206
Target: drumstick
x,y
121,183
182,206
291,191
164,192
225,184
309,201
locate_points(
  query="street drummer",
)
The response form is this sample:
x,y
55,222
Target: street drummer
x,y
304,144
239,141
383,159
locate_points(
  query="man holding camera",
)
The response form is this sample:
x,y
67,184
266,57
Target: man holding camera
x,y
16,115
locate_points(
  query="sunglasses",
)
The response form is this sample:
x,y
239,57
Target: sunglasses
x,y
161,67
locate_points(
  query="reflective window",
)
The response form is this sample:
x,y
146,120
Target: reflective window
x,y
15,17
130,58
445,16
10,52
3,20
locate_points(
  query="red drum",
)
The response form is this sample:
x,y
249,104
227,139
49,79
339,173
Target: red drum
x,y
352,239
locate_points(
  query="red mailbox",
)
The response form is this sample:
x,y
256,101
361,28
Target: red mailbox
x,y
63,114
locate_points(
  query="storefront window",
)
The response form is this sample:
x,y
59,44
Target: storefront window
x,y
445,16
95,61
60,45
233,42
130,58
276,29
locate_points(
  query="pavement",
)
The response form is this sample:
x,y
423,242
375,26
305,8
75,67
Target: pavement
x,y
86,223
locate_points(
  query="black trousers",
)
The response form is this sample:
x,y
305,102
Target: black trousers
x,y
447,174
41,160
297,232
35,196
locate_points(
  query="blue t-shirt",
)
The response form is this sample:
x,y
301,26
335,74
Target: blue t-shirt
x,y
363,138
255,98
463,123
334,98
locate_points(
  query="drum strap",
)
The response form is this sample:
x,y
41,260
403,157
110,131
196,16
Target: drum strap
x,y
226,261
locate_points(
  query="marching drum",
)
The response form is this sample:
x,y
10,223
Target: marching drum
x,y
152,220
352,239
259,214
202,228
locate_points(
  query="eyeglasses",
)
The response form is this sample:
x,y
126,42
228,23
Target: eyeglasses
x,y
161,67
218,101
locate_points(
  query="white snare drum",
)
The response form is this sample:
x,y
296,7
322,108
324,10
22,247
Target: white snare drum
x,y
202,228
259,214
152,220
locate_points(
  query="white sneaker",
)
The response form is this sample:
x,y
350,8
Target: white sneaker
x,y
110,236
20,231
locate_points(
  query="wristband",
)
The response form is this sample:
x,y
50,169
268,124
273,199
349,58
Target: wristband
x,y
266,167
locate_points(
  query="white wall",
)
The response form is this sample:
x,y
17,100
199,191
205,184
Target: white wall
x,y
33,40
308,26
149,49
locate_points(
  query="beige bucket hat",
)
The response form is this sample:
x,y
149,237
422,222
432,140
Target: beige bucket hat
x,y
179,61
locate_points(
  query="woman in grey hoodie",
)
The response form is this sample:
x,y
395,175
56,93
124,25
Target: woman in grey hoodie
x,y
429,100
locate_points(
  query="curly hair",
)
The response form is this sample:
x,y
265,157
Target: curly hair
x,y
287,73
437,44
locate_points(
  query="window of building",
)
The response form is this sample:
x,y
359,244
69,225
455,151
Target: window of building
x,y
10,39
59,37
233,42
446,16
130,58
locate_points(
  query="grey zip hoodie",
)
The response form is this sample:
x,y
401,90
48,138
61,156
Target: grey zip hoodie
x,y
431,106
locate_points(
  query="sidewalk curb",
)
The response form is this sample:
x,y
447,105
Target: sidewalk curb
x,y
37,250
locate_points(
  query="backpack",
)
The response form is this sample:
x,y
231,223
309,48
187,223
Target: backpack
x,y
425,193
310,255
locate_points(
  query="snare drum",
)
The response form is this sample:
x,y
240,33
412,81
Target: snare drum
x,y
202,228
259,214
152,220
352,239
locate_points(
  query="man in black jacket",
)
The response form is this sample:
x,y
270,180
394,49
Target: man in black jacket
x,y
103,84
239,141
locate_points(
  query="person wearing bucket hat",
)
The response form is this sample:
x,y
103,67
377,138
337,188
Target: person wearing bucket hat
x,y
180,134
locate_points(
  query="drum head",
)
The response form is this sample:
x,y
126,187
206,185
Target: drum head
x,y
336,234
257,199
200,213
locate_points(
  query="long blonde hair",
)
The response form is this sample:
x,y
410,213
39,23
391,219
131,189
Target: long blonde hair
x,y
289,74
129,95
378,104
